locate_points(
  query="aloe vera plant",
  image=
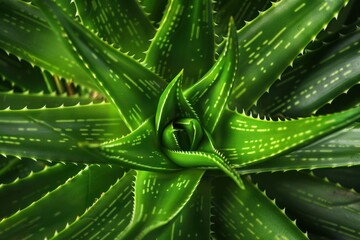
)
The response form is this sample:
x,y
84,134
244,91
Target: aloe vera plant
x,y
142,119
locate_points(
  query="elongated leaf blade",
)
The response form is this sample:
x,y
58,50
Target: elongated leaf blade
x,y
19,21
185,40
140,149
209,96
159,197
197,214
340,149
122,23
249,214
43,218
154,9
67,132
120,78
108,216
324,207
22,192
244,140
266,49
317,78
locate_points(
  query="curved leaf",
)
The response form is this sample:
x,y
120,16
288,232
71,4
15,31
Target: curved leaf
x,y
131,83
249,214
245,140
122,23
184,40
266,49
159,197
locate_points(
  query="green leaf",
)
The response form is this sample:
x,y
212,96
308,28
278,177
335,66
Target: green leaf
x,y
154,9
245,140
140,150
159,197
108,216
218,82
185,40
323,207
317,78
43,218
266,49
197,214
241,11
172,105
339,149
248,214
122,23
16,101
67,132
19,21
22,192
131,83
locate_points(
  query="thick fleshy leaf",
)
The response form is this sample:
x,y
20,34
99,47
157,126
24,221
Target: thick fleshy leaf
x,y
241,11
197,214
249,214
173,105
154,9
245,140
108,216
122,23
14,101
22,192
317,78
67,132
185,40
20,21
209,96
339,149
266,49
43,218
131,83
159,197
140,150
323,207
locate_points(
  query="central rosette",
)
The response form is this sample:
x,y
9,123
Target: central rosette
x,y
184,134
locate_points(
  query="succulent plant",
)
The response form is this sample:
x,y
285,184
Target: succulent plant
x,y
179,119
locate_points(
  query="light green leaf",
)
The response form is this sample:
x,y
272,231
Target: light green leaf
x,y
324,207
217,82
108,216
43,218
159,197
184,40
131,83
122,23
245,140
339,149
249,214
154,9
140,149
266,49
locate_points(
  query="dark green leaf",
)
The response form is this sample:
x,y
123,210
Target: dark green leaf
x,y
185,40
122,23
323,207
43,218
266,49
249,214
131,83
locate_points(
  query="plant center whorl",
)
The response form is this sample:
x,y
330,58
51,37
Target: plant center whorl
x,y
182,134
